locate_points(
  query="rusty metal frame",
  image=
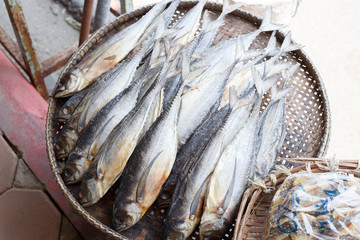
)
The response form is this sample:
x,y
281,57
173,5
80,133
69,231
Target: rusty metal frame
x,y
22,34
24,53
86,20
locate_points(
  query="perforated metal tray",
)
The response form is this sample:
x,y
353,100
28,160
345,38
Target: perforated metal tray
x,y
307,120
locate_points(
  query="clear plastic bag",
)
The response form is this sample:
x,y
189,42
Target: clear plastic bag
x,y
316,206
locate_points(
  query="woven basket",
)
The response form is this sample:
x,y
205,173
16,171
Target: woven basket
x,y
308,118
255,206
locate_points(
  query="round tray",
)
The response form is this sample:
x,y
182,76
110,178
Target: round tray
x,y
307,122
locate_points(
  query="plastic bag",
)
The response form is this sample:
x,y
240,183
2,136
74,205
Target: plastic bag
x,y
316,206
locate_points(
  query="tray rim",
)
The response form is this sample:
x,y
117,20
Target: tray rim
x,y
93,38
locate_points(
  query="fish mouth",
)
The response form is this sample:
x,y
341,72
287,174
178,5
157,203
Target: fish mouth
x,y
68,176
175,235
69,84
125,215
214,229
74,168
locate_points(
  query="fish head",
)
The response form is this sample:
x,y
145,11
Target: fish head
x,y
75,168
65,143
90,191
70,83
214,229
177,229
126,214
65,113
174,235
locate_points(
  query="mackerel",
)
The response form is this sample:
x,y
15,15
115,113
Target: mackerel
x,y
95,133
224,193
197,142
70,105
272,130
148,167
107,55
185,210
115,152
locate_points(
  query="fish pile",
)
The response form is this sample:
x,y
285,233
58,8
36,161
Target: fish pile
x,y
174,118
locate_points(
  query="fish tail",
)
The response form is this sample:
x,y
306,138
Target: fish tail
x,y
290,72
236,102
266,24
287,46
277,94
230,6
261,86
209,25
271,46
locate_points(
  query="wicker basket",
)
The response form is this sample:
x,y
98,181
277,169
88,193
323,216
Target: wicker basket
x,y
255,206
308,118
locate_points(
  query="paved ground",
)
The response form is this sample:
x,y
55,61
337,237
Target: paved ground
x,y
27,212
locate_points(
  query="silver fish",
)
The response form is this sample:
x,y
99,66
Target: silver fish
x,y
107,55
224,193
210,28
68,135
70,105
119,81
185,211
115,152
197,102
197,142
272,130
148,167
80,158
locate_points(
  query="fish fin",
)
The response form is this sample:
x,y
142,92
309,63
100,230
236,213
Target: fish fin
x,y
277,94
286,45
196,56
167,46
240,49
169,32
230,190
236,102
98,136
266,24
230,6
185,67
209,25
142,183
290,72
261,86
271,46
271,69
155,53
170,12
195,204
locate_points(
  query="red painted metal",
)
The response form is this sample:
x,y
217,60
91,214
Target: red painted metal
x,y
12,48
22,120
22,34
86,21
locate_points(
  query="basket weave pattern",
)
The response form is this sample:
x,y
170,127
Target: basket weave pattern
x,y
307,124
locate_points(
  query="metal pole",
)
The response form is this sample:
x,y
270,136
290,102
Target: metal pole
x,y
101,15
24,40
86,20
126,6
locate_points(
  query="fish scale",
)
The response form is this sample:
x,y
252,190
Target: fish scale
x,y
115,152
107,55
147,168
